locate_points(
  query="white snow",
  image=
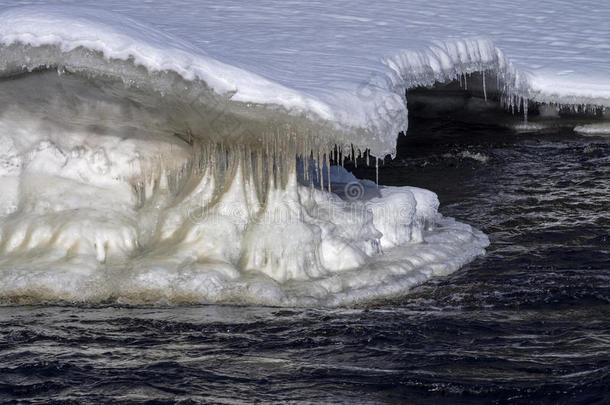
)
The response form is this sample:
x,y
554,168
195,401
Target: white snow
x,y
348,62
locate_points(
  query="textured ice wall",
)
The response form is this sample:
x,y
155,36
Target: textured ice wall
x,y
102,201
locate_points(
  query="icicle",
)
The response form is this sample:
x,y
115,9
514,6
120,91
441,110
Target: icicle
x,y
267,157
319,173
525,107
259,173
484,87
309,155
465,82
377,171
303,149
337,155
328,170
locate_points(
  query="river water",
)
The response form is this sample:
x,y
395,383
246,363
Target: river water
x,y
527,323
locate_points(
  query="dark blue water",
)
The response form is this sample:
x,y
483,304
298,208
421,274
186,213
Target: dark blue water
x,y
528,323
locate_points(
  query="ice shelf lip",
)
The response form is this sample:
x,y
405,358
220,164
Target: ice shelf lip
x,y
120,37
550,87
372,100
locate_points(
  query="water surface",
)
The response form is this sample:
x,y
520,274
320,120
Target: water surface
x,y
527,323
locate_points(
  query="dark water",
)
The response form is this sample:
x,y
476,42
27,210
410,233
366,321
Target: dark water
x,y
528,323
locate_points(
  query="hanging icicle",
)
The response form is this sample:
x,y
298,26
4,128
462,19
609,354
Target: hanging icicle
x,y
327,171
377,171
484,87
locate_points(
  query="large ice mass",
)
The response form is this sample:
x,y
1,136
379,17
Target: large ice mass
x,y
181,151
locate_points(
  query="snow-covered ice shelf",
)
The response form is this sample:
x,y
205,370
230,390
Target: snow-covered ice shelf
x,y
348,62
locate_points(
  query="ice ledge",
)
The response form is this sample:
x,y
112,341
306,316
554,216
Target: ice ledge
x,y
370,112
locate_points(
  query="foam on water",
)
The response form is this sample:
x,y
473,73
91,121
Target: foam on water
x,y
593,129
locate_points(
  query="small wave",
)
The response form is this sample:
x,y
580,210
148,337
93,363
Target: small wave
x,y
478,156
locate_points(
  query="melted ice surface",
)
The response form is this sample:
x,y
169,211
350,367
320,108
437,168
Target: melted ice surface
x,y
345,61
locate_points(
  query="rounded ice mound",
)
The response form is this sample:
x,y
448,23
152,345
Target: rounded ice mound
x,y
402,214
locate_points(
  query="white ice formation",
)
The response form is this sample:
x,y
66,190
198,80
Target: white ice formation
x,y
179,151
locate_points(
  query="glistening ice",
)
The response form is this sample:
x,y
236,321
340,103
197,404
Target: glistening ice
x,y
135,167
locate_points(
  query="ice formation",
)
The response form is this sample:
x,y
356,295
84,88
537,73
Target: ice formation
x,y
142,166
108,195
